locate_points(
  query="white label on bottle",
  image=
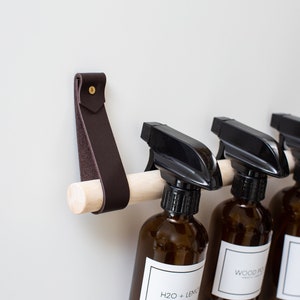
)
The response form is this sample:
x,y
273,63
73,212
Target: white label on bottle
x,y
164,281
289,285
240,271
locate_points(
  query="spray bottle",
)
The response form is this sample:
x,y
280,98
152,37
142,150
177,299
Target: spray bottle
x,y
241,228
283,271
172,244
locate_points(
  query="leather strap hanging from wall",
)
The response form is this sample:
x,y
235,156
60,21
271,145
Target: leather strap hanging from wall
x,y
98,153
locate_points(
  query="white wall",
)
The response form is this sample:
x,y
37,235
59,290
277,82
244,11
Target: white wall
x,y
171,61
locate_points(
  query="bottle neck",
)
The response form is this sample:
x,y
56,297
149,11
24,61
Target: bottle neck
x,y
180,201
249,187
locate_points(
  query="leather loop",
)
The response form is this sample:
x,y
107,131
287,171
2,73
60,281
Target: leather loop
x,y
98,153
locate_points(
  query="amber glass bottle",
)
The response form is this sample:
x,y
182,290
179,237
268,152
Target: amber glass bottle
x,y
172,244
285,209
241,228
237,221
283,269
172,237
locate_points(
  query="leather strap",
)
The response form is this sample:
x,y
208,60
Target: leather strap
x,y
98,153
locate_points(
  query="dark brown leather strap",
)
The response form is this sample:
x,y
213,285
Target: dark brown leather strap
x,y
98,153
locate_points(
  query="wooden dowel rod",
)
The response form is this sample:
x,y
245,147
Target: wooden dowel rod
x,y
87,196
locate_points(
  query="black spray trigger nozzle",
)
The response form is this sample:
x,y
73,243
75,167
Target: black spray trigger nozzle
x,y
249,149
180,158
288,127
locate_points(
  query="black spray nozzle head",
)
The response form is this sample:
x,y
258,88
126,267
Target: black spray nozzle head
x,y
250,148
289,128
181,158
253,155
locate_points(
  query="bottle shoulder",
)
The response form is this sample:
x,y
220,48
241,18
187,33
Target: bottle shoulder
x,y
175,228
239,222
285,209
287,199
239,210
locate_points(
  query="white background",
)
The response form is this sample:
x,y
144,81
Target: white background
x,y
170,61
